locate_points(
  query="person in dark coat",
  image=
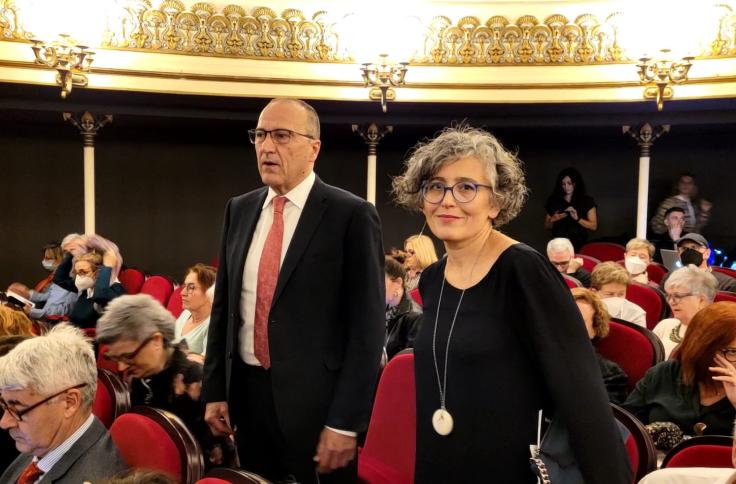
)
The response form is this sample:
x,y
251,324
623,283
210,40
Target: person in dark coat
x,y
402,313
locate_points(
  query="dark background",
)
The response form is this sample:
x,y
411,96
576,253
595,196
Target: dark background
x,y
167,164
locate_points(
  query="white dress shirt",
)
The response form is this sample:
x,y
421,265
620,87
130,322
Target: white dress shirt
x,y
296,199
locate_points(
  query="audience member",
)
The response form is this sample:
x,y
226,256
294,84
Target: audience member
x,y
696,389
93,279
688,290
597,322
51,254
420,254
193,323
519,337
638,256
674,221
609,280
571,213
48,385
54,300
402,314
696,217
561,254
8,452
14,323
138,333
693,249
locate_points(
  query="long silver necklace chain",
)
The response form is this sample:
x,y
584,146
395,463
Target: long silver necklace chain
x,y
442,384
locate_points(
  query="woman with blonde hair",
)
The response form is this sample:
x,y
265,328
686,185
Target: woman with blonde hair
x,y
420,254
14,323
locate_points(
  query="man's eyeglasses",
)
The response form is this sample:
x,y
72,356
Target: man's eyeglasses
x,y
18,414
129,357
278,136
464,192
729,354
676,297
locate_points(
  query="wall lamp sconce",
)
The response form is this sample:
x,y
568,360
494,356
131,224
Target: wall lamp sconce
x,y
658,75
382,78
71,62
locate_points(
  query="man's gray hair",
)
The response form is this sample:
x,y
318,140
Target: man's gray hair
x,y
560,244
503,169
60,359
134,318
69,238
695,280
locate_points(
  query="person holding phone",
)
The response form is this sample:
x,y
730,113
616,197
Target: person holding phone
x,y
571,213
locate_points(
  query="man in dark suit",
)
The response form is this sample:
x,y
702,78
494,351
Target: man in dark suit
x,y
297,322
48,385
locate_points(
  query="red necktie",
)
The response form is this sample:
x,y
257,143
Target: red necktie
x,y
30,474
268,274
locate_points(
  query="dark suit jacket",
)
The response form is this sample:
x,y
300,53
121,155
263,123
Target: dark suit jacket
x,y
93,457
326,322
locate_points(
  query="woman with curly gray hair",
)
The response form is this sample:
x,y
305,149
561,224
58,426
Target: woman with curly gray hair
x,y
502,337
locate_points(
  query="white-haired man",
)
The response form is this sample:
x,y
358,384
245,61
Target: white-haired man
x,y
561,254
47,388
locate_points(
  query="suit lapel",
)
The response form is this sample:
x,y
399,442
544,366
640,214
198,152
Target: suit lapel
x,y
87,440
242,234
308,222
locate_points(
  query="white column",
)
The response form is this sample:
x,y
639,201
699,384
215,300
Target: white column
x,y
642,198
371,178
89,190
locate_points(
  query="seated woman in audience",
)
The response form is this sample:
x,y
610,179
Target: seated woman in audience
x,y
139,333
571,213
596,321
95,277
14,323
194,321
50,299
638,256
402,314
696,389
609,280
688,290
420,253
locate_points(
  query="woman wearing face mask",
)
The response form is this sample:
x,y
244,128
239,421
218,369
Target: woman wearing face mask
x,y
638,256
609,281
571,213
688,290
402,314
54,301
93,283
193,323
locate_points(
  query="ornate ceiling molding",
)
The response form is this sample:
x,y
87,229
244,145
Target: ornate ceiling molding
x,y
262,33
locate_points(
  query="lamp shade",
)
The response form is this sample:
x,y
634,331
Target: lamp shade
x,y
83,21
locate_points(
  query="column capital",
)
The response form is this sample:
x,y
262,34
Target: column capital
x,y
88,125
645,135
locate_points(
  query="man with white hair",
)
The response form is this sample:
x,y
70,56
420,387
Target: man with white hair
x,y
47,388
561,254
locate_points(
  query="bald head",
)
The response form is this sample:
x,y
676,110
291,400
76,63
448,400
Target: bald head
x,y
312,127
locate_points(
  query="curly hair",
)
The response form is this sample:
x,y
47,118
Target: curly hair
x,y
504,169
601,319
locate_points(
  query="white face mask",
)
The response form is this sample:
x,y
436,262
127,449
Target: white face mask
x,y
634,265
84,282
48,264
614,305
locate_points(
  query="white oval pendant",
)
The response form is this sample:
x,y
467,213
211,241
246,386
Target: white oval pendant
x,y
442,421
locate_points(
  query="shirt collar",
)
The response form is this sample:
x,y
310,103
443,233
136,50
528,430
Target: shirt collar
x,y
52,457
297,195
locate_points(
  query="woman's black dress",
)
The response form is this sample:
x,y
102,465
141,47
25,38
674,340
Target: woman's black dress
x,y
519,344
568,227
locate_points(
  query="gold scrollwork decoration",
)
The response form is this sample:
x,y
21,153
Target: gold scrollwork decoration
x,y
9,25
233,31
526,41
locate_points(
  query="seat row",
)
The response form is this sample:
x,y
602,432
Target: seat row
x,y
161,288
390,446
176,452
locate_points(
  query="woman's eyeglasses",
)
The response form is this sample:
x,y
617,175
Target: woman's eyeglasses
x,y
729,354
464,192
